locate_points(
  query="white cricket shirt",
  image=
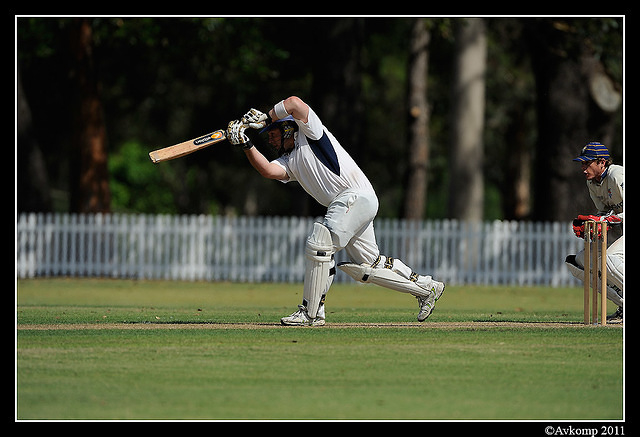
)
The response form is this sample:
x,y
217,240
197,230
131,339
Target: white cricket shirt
x,y
608,194
320,164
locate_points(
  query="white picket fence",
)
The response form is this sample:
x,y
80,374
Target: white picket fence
x,y
271,249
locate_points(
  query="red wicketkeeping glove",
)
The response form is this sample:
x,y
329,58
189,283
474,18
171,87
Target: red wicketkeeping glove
x,y
578,228
578,223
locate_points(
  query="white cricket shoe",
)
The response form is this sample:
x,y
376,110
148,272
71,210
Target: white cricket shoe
x,y
301,318
427,303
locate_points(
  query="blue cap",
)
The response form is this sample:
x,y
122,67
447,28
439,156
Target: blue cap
x,y
275,123
593,150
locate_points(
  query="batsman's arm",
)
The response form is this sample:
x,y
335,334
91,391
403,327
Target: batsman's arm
x,y
290,106
266,168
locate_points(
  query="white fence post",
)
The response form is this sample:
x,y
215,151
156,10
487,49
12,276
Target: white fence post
x,y
270,249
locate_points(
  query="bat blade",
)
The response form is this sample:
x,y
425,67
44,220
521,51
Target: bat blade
x,y
187,147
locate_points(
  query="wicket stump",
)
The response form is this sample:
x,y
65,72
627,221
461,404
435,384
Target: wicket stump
x,y
591,237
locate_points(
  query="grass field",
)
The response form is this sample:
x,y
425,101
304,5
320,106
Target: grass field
x,y
90,349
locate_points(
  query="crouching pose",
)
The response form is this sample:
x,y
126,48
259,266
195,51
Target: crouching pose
x,y
605,182
311,155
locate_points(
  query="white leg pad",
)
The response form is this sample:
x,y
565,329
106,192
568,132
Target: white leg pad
x,y
394,264
615,270
318,268
388,277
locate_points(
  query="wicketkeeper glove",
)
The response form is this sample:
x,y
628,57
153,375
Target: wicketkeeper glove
x,y
607,220
236,135
256,119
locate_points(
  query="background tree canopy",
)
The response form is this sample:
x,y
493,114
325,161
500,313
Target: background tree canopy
x,y
96,94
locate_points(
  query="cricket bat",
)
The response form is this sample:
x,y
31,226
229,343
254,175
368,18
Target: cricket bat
x,y
187,147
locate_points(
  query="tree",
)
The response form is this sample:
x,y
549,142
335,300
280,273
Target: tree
x,y
160,80
90,190
416,191
565,64
33,180
466,185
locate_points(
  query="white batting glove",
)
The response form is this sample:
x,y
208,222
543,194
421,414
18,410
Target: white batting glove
x,y
236,135
256,119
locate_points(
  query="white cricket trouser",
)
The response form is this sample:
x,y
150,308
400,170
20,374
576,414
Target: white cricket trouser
x,y
350,220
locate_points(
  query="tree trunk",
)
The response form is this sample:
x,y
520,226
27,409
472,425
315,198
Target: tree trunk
x,y
516,188
32,179
416,191
466,185
90,180
568,118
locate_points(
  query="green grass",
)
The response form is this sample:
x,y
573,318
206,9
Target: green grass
x,y
107,349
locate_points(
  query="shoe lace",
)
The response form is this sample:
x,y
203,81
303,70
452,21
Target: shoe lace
x,y
300,312
422,301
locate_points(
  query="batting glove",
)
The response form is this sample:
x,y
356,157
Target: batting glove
x,y
256,119
236,135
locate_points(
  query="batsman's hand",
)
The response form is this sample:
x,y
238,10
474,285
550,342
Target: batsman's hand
x,y
256,119
236,135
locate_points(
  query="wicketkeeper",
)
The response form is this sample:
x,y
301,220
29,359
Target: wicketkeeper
x,y
312,156
605,182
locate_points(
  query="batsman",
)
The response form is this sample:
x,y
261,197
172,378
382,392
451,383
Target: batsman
x,y
309,154
605,182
